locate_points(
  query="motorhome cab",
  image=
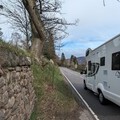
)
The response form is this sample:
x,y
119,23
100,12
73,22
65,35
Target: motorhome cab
x,y
103,71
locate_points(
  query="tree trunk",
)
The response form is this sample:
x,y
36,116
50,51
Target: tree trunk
x,y
36,48
38,32
37,43
30,6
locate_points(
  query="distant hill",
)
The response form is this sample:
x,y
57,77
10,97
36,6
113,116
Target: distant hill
x,y
81,60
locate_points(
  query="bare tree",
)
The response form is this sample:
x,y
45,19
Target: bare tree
x,y
38,31
42,17
49,11
105,4
15,39
18,18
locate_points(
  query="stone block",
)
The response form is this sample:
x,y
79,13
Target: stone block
x,y
2,81
18,69
11,102
5,98
14,117
1,72
17,89
2,114
7,114
3,89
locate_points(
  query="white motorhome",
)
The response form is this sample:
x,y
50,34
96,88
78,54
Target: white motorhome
x,y
103,71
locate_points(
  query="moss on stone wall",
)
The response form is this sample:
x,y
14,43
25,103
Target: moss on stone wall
x,y
11,56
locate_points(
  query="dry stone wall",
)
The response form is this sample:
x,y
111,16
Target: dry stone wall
x,y
16,91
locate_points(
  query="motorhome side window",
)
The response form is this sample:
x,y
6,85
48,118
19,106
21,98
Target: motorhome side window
x,y
102,61
116,61
89,65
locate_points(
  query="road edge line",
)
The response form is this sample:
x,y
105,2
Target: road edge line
x,y
85,103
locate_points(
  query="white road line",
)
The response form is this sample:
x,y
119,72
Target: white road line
x,y
95,116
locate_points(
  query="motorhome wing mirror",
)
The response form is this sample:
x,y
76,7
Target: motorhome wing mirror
x,y
83,72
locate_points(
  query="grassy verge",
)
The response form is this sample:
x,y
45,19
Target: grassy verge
x,y
54,99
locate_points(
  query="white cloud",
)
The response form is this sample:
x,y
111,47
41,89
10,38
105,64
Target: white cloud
x,y
97,23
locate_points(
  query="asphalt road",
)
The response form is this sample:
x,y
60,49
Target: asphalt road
x,y
104,112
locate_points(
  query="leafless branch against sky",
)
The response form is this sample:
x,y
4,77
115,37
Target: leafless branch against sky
x,y
105,4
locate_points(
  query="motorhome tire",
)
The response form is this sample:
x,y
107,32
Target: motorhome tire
x,y
102,99
85,87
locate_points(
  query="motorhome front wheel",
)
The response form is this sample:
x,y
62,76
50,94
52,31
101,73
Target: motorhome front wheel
x,y
102,98
85,87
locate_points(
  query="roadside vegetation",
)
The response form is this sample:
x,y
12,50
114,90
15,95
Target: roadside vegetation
x,y
9,47
72,63
54,99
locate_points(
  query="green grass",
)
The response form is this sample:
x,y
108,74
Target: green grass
x,y
50,90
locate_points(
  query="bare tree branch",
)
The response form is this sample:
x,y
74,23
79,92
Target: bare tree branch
x,y
104,2
18,17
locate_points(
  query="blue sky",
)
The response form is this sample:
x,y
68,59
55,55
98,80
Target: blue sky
x,y
97,24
